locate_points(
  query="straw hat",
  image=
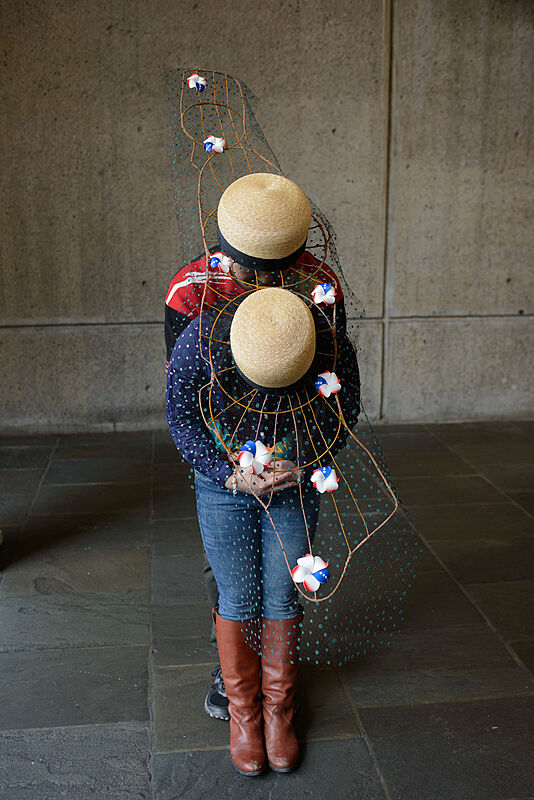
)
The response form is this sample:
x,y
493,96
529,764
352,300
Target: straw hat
x,y
272,338
263,221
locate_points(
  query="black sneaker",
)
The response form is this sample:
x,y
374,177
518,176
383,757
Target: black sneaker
x,y
216,702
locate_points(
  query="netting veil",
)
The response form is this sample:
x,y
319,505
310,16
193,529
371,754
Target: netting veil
x,y
364,547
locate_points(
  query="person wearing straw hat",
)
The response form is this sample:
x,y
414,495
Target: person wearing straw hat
x,y
252,478
182,305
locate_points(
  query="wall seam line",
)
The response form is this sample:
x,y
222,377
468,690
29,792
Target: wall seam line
x,y
370,318
387,187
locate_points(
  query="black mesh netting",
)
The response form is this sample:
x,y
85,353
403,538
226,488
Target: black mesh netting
x,y
357,527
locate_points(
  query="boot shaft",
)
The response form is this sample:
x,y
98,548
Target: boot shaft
x,y
279,660
279,664
240,664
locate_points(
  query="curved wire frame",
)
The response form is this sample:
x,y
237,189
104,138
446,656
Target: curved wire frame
x,y
237,142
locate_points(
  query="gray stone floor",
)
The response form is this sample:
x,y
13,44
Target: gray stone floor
x,y
104,628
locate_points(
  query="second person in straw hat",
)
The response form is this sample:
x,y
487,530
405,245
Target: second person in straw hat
x,y
242,500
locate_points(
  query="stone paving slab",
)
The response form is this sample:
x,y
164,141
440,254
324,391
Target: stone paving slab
x,y
98,762
440,684
432,464
78,572
73,687
407,439
16,481
452,489
92,498
106,445
445,664
165,451
509,452
526,427
174,502
426,560
75,532
177,579
31,440
509,605
175,475
525,500
460,433
14,507
510,477
438,751
472,521
14,456
329,771
486,560
96,470
435,601
525,651
176,537
69,621
181,634
462,645
180,722
324,708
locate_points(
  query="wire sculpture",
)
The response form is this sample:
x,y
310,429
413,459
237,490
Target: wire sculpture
x,y
356,599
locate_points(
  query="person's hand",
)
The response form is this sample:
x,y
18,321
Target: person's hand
x,y
270,480
285,466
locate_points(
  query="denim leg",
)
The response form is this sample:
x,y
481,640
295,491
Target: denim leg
x,y
213,593
231,532
280,597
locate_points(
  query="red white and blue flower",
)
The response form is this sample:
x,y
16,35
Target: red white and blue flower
x,y
215,144
324,293
325,480
222,261
311,571
255,455
196,82
327,383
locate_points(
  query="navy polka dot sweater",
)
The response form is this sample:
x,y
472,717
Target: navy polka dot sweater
x,y
188,382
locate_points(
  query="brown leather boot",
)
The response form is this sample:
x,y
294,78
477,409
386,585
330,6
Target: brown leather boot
x,y
240,667
279,667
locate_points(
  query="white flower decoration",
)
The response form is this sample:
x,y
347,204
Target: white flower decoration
x,y
214,143
325,480
196,82
324,293
222,261
327,383
255,455
311,571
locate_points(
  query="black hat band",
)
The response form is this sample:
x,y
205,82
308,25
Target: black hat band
x,y
262,264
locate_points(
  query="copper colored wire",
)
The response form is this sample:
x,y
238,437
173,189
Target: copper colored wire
x,y
244,146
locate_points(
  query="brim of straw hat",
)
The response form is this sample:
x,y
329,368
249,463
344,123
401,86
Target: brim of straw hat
x,y
277,391
254,262
273,340
263,221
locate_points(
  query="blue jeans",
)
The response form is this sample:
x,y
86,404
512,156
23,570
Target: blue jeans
x,y
243,548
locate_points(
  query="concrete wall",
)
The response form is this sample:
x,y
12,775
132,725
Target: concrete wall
x,y
410,123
